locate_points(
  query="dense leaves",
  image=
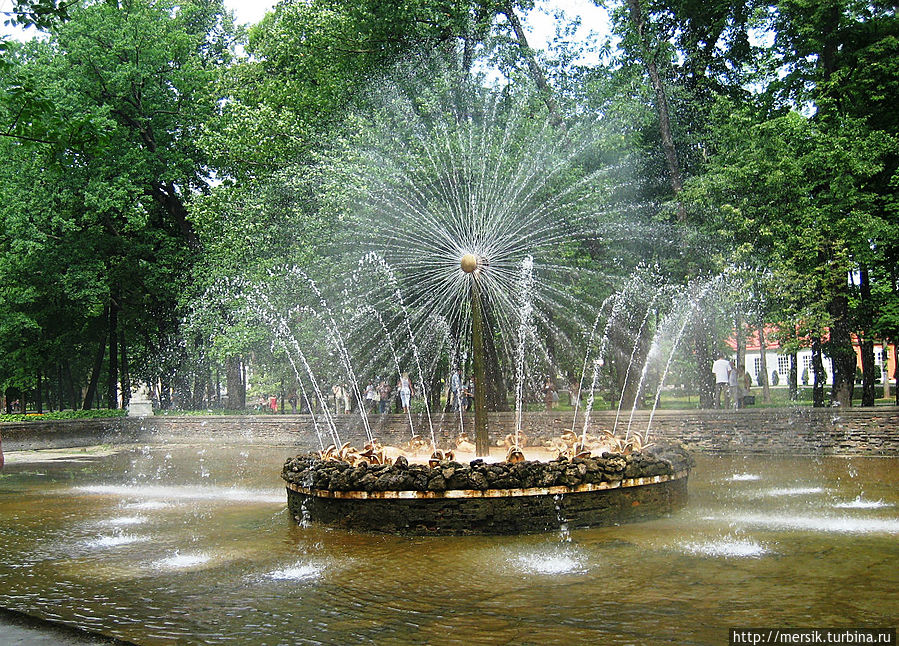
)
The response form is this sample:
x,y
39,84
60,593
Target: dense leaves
x,y
157,160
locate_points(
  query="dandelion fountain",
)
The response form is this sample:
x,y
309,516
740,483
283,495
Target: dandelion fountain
x,y
468,214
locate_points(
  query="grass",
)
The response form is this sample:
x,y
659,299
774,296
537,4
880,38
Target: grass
x,y
63,414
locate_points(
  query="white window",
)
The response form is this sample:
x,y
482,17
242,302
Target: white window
x,y
807,363
878,357
783,364
757,364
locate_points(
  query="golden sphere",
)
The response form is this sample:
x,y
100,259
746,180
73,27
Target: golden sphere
x,y
469,263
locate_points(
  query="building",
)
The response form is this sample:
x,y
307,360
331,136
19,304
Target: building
x,y
778,364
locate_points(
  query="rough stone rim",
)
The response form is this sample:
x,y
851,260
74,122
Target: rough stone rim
x,y
486,493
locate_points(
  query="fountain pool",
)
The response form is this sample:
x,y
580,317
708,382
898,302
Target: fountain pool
x,y
193,544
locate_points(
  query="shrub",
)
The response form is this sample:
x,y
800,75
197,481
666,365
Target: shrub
x,y
64,414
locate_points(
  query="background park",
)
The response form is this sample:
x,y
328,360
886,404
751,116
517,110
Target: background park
x,y
154,152
247,262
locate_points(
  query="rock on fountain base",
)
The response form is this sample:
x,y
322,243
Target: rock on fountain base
x,y
481,498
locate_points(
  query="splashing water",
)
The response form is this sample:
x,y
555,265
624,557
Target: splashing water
x,y
115,541
438,175
727,547
182,561
861,503
556,560
297,572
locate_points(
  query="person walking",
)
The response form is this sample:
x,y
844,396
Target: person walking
x,y
733,386
371,398
469,393
337,390
549,394
404,385
383,396
456,390
347,407
293,400
721,369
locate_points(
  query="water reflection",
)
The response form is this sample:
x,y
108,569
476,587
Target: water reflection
x,y
207,553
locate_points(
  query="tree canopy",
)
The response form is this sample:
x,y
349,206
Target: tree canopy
x,y
159,159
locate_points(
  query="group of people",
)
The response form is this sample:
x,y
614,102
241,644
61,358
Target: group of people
x,y
461,391
377,397
550,394
267,403
731,387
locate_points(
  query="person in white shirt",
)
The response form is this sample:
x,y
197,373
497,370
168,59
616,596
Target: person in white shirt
x,y
405,387
456,390
721,369
733,386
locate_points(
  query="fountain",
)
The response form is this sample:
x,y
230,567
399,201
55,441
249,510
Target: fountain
x,y
461,220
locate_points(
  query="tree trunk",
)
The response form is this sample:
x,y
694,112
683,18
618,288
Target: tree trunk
x,y
868,372
112,399
39,394
167,197
793,382
866,343
436,389
73,400
638,22
705,356
763,365
59,386
98,366
496,392
741,345
198,400
632,390
124,373
183,391
237,394
820,377
165,392
840,349
885,374
533,67
896,371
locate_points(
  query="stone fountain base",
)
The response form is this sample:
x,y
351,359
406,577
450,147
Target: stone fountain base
x,y
481,498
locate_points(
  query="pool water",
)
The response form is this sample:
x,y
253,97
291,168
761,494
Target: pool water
x,y
192,544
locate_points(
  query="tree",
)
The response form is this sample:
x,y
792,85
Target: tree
x,y
114,98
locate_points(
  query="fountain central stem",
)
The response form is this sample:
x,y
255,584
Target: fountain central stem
x,y
482,441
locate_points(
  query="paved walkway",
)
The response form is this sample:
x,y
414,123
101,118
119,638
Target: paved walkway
x,y
17,629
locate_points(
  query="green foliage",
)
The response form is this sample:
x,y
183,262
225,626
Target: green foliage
x,y
149,169
100,158
99,413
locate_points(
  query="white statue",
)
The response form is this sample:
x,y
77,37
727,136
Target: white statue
x,y
140,404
